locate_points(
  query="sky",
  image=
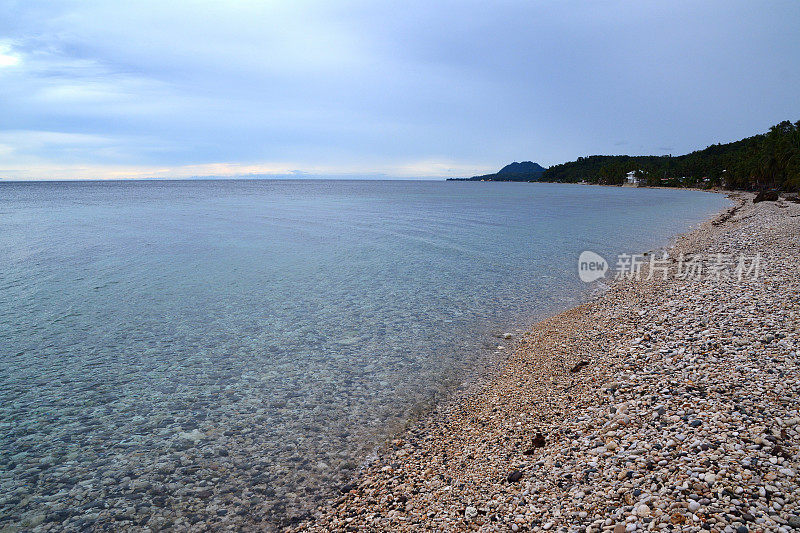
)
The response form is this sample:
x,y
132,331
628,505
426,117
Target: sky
x,y
413,89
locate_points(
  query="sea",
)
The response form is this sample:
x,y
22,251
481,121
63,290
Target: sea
x,y
222,352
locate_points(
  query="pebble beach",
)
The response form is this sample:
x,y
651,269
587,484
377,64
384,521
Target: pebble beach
x,y
660,405
187,380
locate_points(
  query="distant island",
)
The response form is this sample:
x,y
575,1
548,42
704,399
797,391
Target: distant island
x,y
525,171
766,161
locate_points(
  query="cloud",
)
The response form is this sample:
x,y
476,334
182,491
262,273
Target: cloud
x,y
408,170
7,56
434,88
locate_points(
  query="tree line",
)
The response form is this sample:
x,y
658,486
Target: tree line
x,y
766,161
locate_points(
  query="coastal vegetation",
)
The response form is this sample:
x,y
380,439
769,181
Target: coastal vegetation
x,y
769,160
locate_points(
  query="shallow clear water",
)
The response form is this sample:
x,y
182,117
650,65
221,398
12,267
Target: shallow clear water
x,y
245,343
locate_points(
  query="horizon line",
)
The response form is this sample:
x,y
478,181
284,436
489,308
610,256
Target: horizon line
x,y
218,178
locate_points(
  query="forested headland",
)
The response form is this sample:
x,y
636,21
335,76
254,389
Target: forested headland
x,y
766,161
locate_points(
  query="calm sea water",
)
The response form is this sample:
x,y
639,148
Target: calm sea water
x,y
218,351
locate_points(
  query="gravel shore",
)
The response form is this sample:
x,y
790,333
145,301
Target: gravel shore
x,y
660,405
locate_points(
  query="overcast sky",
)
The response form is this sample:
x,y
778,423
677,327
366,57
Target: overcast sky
x,y
102,89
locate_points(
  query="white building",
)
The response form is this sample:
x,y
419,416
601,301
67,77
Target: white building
x,y
631,178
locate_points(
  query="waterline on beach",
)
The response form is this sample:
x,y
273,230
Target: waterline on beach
x,y
247,343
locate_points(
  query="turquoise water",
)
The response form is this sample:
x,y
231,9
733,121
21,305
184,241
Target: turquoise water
x,y
215,352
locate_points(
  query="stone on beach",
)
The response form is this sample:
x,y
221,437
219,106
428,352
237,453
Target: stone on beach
x,y
687,418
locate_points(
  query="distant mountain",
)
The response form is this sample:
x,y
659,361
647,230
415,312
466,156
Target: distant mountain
x,y
525,171
526,168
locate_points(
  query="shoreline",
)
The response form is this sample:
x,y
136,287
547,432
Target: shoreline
x,y
235,445
496,362
494,459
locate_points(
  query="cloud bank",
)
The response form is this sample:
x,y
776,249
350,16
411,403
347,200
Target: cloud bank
x,y
96,89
